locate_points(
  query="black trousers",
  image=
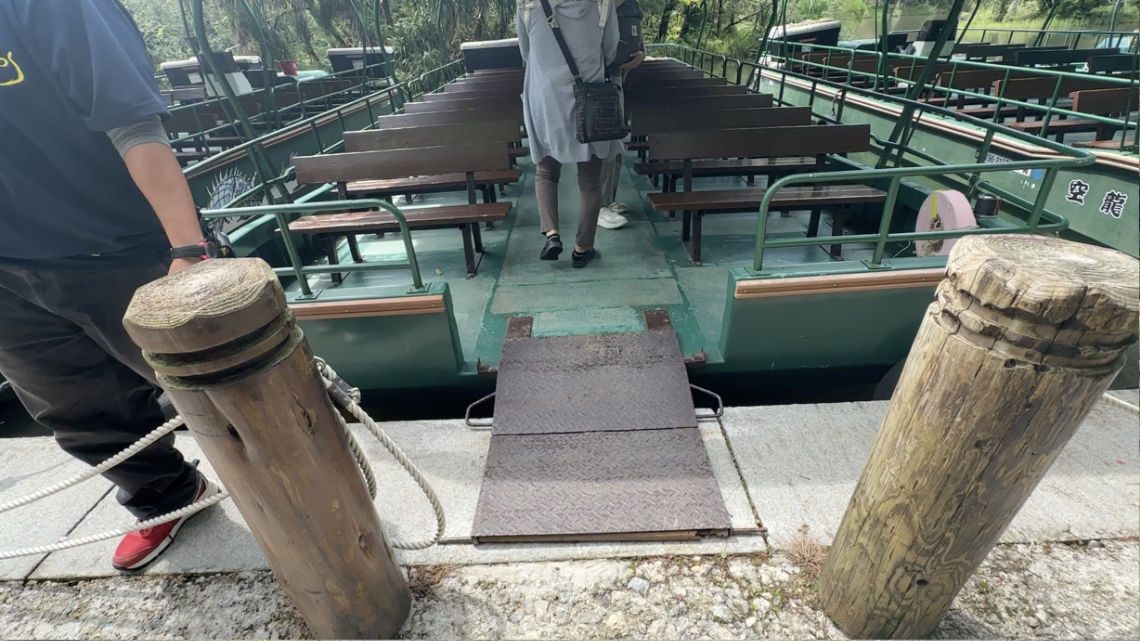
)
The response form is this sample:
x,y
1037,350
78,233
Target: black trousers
x,y
75,369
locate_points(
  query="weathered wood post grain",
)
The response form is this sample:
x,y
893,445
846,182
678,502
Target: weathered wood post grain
x,y
226,348
1026,334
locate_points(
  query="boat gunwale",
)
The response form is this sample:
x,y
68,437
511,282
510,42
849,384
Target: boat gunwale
x,y
875,280
369,307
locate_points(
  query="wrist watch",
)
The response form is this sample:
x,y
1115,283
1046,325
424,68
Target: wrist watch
x,y
203,249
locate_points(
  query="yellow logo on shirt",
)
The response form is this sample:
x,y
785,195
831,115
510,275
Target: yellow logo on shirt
x,y
8,61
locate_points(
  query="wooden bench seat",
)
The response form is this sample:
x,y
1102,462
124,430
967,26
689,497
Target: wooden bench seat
x,y
375,222
1099,102
987,113
673,169
1057,126
778,143
735,200
696,204
425,164
1104,144
465,217
432,184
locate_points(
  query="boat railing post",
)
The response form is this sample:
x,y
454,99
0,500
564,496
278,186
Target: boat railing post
x,y
885,221
983,151
228,352
1050,107
1026,334
1043,191
294,255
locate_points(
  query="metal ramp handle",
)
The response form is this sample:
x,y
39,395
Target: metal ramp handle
x,y
719,411
467,414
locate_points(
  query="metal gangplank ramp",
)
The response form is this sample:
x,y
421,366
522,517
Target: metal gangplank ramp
x,y
594,438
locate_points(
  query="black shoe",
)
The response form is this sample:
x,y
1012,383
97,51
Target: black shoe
x,y
552,248
581,259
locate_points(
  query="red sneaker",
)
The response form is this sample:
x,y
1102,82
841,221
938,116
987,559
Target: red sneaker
x,y
139,548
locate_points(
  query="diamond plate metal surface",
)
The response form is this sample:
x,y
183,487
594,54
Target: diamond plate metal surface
x,y
591,483
601,382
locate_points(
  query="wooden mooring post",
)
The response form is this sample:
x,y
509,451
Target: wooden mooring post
x,y
1025,336
226,349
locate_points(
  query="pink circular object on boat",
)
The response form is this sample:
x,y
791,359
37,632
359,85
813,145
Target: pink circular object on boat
x,y
942,210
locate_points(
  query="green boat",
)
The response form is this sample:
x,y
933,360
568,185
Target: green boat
x,y
770,313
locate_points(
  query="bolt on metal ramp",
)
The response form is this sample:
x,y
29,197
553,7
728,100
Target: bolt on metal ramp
x,y
595,438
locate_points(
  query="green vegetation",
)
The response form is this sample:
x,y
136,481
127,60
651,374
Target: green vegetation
x,y
427,33
424,35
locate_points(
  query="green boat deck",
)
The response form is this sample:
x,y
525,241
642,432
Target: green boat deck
x,y
642,266
768,309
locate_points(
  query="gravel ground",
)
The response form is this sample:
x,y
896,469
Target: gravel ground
x,y
1047,591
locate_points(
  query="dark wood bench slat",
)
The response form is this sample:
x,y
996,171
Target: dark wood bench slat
x,y
760,142
426,184
1106,101
727,167
500,105
400,163
696,204
504,130
1103,144
670,93
465,217
364,222
695,104
730,200
672,121
445,117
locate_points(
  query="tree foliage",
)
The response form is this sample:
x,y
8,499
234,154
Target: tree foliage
x,y
427,33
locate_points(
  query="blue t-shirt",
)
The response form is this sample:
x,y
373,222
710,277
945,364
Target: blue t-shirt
x,y
69,71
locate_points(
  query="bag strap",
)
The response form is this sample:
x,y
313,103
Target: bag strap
x,y
561,41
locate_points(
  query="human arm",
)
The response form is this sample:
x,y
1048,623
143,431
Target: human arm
x,y
635,59
155,171
610,36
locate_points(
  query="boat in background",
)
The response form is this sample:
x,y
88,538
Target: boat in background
x,y
771,308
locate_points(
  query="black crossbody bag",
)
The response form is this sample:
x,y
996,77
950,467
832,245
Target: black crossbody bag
x,y
597,105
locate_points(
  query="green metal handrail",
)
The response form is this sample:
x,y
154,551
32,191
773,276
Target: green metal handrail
x,y
1055,222
283,214
1069,158
924,107
1073,37
444,72
309,204
193,106
954,66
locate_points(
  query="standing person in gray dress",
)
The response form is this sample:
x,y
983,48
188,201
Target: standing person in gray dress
x,y
630,54
591,33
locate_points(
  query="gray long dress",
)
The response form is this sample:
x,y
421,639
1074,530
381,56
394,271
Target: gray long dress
x,y
548,88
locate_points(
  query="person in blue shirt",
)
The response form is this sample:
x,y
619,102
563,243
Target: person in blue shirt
x,y
92,201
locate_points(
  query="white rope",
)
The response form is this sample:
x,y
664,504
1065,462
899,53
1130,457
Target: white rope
x,y
66,543
361,462
350,402
1120,402
141,444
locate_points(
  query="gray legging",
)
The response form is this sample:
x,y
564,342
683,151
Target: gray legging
x,y
589,187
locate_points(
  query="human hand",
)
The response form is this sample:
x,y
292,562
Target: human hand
x,y
635,59
178,264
